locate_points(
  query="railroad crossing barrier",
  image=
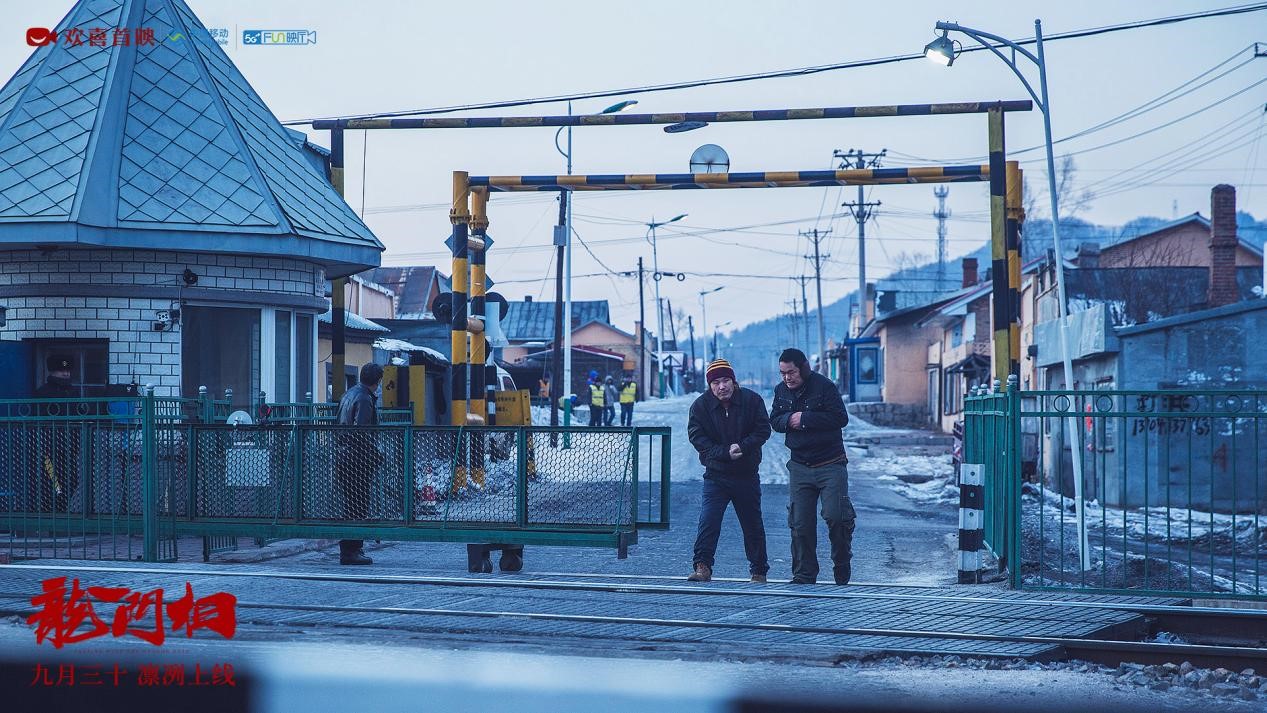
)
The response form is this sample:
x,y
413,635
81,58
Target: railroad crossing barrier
x,y
124,479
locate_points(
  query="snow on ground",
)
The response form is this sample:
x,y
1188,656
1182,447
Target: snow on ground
x,y
1157,547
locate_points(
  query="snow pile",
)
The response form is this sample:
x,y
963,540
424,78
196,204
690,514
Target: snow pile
x,y
1179,549
928,479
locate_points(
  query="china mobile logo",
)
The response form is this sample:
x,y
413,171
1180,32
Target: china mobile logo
x,y
69,618
279,37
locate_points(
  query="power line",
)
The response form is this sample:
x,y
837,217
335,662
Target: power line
x,y
795,72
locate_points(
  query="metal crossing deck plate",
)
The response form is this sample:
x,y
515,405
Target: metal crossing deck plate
x,y
585,613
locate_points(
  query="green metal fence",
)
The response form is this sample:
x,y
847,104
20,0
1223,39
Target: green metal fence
x,y
1163,492
86,481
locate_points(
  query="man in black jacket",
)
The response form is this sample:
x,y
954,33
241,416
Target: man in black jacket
x,y
357,457
808,408
728,426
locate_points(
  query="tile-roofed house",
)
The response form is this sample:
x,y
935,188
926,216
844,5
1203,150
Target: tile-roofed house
x,y
415,287
157,222
530,321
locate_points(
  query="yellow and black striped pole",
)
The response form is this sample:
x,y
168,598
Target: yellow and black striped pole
x,y
1015,217
459,216
477,245
338,288
475,322
999,272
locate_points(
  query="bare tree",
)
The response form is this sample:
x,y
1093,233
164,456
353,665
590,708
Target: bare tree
x,y
1069,199
1141,280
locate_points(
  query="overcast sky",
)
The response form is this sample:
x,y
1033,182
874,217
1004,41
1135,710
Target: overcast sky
x,y
386,56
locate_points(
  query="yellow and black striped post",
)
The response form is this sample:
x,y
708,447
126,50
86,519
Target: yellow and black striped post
x,y
475,322
1015,217
459,216
477,246
338,288
1003,357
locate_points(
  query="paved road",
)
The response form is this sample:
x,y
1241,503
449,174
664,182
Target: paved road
x,y
896,542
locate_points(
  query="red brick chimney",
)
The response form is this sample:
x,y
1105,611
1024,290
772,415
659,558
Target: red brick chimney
x,y
969,271
1223,243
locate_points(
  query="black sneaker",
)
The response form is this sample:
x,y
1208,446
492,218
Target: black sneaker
x,y
798,580
842,574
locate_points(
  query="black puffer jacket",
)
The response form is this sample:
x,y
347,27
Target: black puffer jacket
x,y
712,428
823,415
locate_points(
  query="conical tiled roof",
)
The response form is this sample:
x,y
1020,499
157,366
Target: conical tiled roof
x,y
160,144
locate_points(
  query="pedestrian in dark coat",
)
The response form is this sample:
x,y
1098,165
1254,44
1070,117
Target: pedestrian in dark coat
x,y
808,408
57,471
611,396
728,426
357,457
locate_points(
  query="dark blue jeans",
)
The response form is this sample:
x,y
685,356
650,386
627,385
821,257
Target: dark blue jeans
x,y
745,494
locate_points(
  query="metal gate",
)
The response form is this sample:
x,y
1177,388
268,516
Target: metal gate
x,y
1168,496
124,479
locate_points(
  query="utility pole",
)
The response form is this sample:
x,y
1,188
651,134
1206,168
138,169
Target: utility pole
x,y
804,308
642,337
941,214
817,236
793,327
857,158
690,327
668,309
557,387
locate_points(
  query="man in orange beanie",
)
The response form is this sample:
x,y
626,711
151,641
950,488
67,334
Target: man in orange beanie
x,y
728,425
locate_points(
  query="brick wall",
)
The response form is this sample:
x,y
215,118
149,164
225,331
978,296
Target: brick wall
x,y
136,349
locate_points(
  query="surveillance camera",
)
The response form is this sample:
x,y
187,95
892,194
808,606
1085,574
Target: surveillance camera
x,y
160,326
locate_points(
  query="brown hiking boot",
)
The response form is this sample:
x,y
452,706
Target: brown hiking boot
x,y
702,573
758,578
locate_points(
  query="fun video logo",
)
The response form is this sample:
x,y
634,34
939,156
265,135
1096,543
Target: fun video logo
x,y
279,37
40,36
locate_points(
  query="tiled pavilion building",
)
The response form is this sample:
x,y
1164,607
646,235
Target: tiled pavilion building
x,y
156,221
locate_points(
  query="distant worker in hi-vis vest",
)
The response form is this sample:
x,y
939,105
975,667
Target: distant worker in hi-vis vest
x,y
628,395
596,403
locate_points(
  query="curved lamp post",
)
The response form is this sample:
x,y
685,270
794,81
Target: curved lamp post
x,y
565,248
944,50
704,308
715,331
655,274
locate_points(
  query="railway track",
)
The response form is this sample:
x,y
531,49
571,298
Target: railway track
x,y
1230,638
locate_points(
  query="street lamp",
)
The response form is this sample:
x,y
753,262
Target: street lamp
x,y
563,264
655,275
943,51
704,308
715,331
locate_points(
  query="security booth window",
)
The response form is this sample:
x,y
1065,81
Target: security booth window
x,y
305,360
221,350
282,357
868,366
90,363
